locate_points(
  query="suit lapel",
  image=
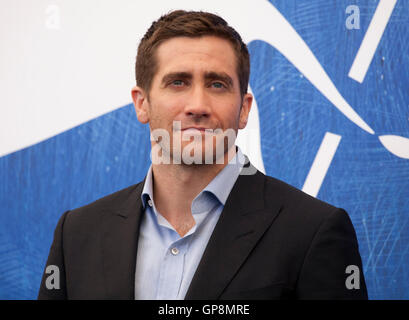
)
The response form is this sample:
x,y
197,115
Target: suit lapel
x,y
119,243
242,222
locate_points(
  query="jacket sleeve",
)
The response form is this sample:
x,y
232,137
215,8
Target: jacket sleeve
x,y
332,268
53,283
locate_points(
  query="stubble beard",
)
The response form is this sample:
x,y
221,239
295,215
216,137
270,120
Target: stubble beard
x,y
193,149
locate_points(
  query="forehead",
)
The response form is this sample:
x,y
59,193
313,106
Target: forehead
x,y
202,54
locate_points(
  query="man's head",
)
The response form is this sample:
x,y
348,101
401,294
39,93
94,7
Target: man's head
x,y
190,24
192,68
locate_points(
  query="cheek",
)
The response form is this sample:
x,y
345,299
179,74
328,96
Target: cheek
x,y
169,106
231,114
163,111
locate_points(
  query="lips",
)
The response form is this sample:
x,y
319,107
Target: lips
x,y
195,131
195,128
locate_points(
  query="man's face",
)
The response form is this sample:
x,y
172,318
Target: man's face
x,y
196,83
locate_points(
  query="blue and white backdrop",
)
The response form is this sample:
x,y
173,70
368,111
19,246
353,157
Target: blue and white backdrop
x,y
330,80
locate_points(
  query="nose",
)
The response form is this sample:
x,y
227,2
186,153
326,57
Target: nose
x,y
198,104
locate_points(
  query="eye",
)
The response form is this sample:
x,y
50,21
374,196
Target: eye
x,y
177,83
218,85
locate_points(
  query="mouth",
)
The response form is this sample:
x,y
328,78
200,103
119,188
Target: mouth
x,y
195,129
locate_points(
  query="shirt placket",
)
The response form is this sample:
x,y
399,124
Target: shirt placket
x,y
171,271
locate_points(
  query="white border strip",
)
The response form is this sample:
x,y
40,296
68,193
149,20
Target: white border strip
x,y
321,164
371,40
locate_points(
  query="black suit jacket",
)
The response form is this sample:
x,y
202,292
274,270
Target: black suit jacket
x,y
272,241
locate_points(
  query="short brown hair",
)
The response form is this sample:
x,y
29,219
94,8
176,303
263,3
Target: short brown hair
x,y
192,24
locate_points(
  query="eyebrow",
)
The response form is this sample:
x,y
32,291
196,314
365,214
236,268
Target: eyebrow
x,y
219,76
176,75
211,75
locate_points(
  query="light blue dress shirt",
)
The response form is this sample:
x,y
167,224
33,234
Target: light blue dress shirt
x,y
166,262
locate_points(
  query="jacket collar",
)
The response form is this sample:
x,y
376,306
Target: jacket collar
x,y
119,243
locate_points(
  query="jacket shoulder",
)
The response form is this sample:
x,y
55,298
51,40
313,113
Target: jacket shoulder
x,y
297,207
111,203
291,196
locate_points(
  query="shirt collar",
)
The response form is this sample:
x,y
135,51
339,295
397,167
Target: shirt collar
x,y
219,187
222,184
147,191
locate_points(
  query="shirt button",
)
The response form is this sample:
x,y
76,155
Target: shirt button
x,y
150,202
174,251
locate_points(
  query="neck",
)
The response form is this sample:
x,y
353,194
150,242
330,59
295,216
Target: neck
x,y
176,185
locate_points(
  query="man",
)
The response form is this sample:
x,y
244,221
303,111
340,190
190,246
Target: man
x,y
204,224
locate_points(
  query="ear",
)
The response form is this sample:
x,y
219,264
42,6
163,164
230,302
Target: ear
x,y
140,100
245,110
